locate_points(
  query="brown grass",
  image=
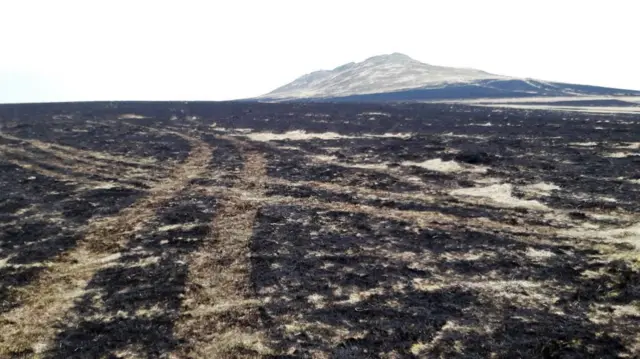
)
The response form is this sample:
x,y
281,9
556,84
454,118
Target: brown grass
x,y
220,316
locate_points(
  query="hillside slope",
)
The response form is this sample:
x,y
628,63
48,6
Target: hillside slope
x,y
397,77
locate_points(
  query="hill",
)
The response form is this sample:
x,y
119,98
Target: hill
x,y
397,77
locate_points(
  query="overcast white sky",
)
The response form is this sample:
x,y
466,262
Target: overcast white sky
x,y
218,50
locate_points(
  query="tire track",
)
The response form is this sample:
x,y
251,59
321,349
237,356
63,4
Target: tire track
x,y
220,316
80,174
41,156
422,218
31,326
86,156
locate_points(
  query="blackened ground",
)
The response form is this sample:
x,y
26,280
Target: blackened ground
x,y
362,245
134,303
342,270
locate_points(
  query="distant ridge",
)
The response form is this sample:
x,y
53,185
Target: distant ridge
x,y
398,77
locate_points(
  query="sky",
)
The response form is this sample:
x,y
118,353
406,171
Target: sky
x,y
68,50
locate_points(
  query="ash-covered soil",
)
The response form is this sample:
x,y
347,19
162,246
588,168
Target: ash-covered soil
x,y
223,230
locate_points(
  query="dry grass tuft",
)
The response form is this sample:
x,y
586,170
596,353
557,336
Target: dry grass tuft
x,y
501,195
439,165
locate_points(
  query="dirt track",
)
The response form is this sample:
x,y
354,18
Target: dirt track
x,y
263,230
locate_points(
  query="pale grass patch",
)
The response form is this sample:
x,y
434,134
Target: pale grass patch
x,y
356,296
610,217
418,348
338,291
131,116
450,150
488,180
332,149
145,262
598,314
327,265
630,234
106,185
425,285
301,135
588,197
499,194
182,227
40,348
384,114
541,188
23,211
237,131
538,253
589,225
390,135
619,154
457,135
366,166
414,179
154,311
467,256
583,144
290,148
438,165
130,351
311,114
324,158
405,256
334,160
317,300
628,146
110,258
243,130
293,135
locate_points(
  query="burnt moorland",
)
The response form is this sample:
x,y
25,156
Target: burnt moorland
x,y
223,230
